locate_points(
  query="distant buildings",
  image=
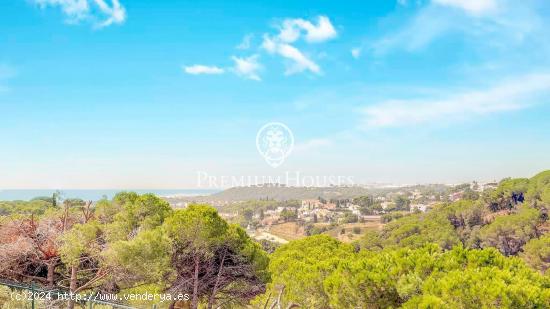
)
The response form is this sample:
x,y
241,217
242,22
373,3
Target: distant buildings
x,y
419,207
321,210
311,204
455,196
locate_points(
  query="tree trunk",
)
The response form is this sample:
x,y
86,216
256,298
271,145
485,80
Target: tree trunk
x,y
215,289
72,285
195,301
51,271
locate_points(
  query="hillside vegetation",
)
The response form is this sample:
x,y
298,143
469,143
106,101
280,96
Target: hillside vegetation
x,y
492,252
488,251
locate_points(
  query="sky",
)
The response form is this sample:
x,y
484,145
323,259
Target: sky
x,y
130,94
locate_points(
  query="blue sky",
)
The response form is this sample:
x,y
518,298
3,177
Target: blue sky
x,y
144,94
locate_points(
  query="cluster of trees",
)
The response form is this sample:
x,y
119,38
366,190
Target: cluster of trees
x,y
36,206
250,212
506,218
134,243
490,250
321,272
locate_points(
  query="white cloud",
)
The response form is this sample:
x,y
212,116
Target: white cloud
x,y
202,69
474,7
506,25
74,9
291,30
509,95
356,52
299,62
244,67
245,44
322,32
116,14
247,67
99,12
427,25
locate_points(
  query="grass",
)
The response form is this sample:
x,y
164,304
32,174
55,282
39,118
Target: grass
x,y
292,231
288,231
349,235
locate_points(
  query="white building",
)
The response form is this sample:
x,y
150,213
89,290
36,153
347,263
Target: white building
x,y
421,207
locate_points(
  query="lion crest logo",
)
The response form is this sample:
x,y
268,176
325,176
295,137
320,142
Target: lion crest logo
x,y
274,142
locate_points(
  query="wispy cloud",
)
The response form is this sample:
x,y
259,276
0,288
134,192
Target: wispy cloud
x,y
508,95
247,67
100,12
116,14
299,62
475,7
281,44
202,69
290,32
489,23
292,29
427,25
245,43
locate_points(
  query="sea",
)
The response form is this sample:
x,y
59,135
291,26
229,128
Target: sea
x,y
94,195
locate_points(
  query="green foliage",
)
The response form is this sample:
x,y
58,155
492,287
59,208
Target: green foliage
x,y
349,217
536,253
510,233
384,279
35,206
416,230
457,255
508,194
105,210
394,215
137,212
301,267
464,213
470,194
364,201
485,287
288,215
402,202
257,206
370,241
199,227
538,190
81,239
128,257
312,229
424,277
459,278
192,247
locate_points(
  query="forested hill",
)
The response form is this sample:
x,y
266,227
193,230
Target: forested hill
x,y
283,193
510,218
491,252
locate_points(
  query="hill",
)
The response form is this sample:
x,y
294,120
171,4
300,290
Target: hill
x,y
284,193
